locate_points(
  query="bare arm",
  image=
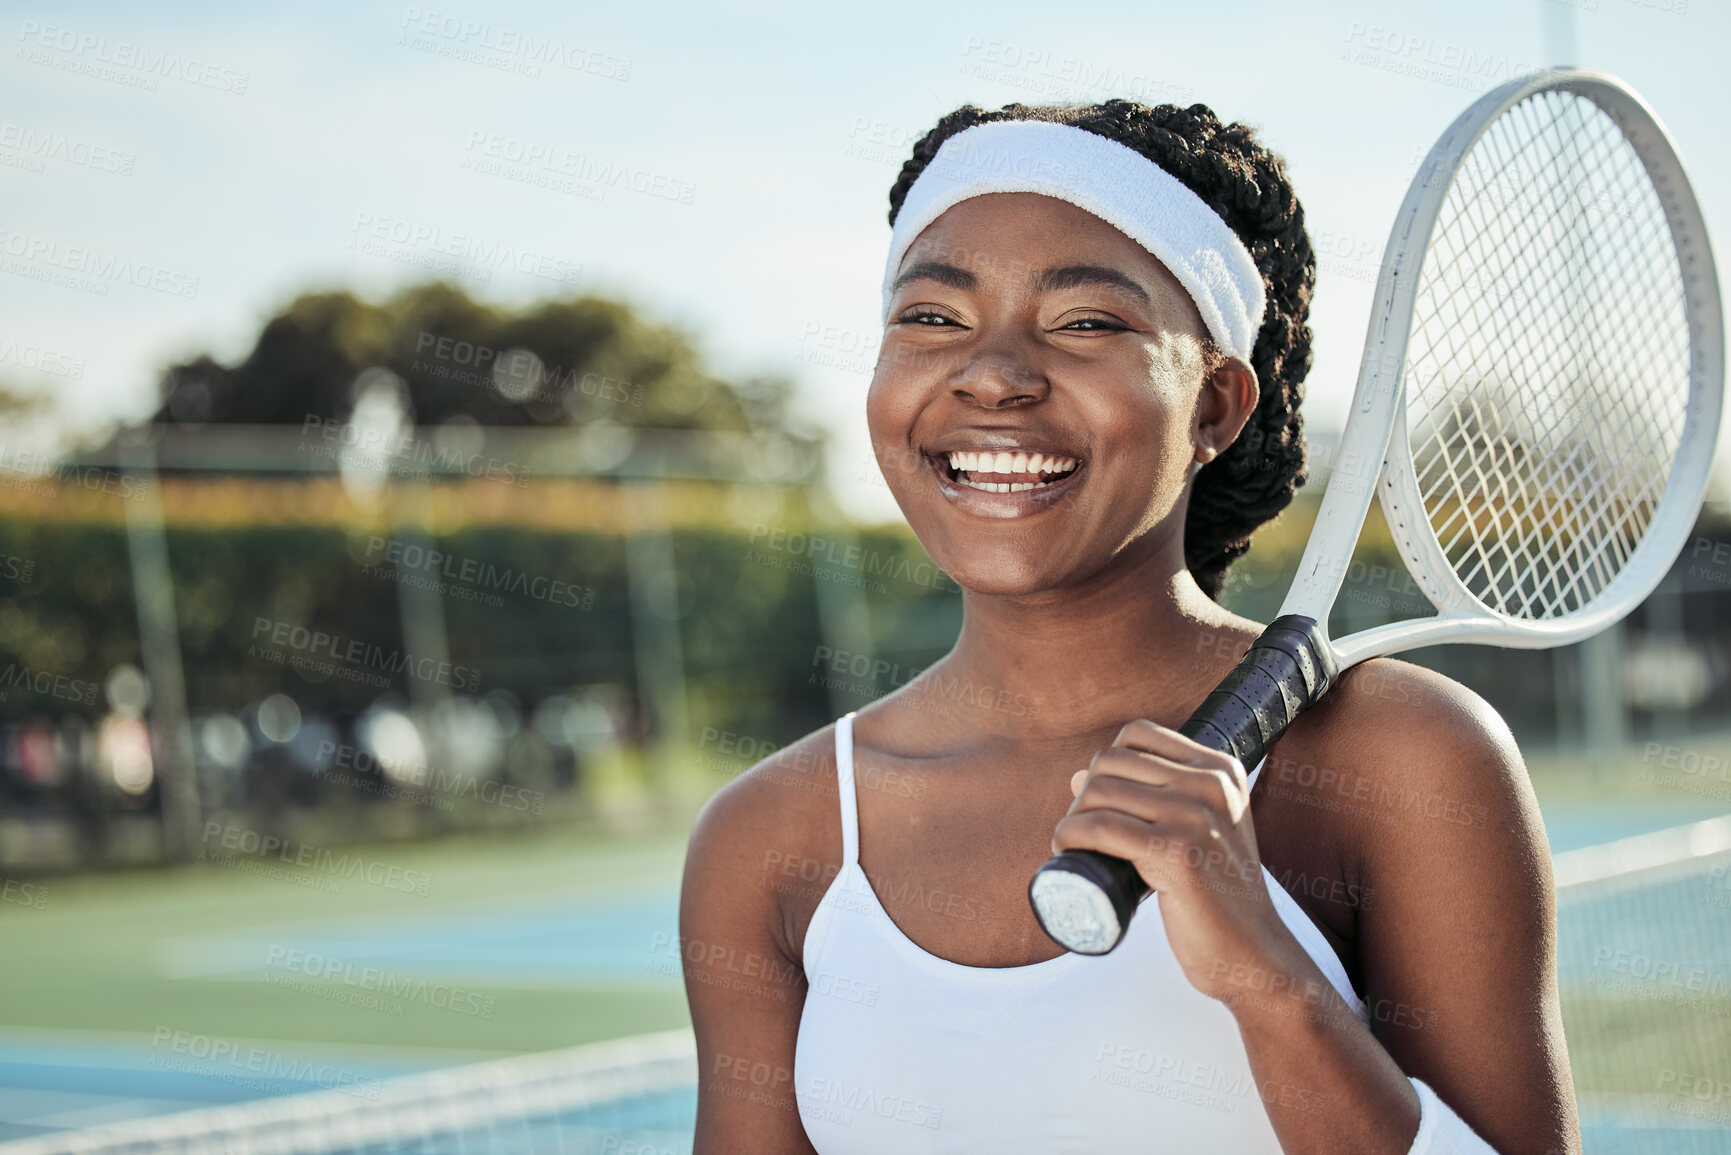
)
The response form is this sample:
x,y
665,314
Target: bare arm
x,y
1458,946
745,987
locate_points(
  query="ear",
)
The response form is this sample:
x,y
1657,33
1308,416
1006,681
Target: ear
x,y
1228,398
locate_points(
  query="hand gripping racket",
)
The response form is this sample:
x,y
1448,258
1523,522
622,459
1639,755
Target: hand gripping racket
x,y
1537,408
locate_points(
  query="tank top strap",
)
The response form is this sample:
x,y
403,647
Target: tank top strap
x,y
844,785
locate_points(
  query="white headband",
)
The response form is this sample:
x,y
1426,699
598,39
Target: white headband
x,y
1115,183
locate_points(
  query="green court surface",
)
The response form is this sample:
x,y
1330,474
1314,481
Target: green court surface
x,y
535,941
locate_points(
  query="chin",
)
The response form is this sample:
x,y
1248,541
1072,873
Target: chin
x,y
1000,572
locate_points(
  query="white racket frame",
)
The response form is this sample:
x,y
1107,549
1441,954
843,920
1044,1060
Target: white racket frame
x,y
1379,408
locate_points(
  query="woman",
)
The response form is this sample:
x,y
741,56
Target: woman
x,y
1351,951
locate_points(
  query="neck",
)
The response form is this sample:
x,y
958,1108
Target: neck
x,y
1139,640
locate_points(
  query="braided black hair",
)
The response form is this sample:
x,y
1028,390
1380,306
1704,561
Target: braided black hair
x,y
1246,183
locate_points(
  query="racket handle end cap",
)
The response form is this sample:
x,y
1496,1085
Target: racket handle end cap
x,y
1082,902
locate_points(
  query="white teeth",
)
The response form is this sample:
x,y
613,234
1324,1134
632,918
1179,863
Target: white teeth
x,y
1005,462
1011,463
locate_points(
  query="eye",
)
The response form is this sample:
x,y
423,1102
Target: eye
x,y
925,317
1095,325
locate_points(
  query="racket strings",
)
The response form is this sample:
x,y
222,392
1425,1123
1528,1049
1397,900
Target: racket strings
x,y
1547,369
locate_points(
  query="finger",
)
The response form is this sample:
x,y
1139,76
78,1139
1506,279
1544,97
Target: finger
x,y
1187,803
1156,849
1153,738
1076,781
1167,854
1216,786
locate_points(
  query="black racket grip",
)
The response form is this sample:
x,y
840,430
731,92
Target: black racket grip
x,y
1286,671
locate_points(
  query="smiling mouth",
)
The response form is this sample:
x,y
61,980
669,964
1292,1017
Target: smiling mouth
x,y
1007,472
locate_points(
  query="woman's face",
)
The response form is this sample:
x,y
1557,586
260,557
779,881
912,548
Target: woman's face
x,y
1021,325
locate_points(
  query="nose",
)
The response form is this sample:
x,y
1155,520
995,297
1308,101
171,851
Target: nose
x,y
999,377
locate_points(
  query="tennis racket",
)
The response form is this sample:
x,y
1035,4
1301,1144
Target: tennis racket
x,y
1537,408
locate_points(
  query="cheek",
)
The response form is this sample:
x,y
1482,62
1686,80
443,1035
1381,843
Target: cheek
x,y
890,414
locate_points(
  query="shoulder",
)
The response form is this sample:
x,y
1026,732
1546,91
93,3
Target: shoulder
x,y
777,791
1393,726
1430,809
773,825
1412,787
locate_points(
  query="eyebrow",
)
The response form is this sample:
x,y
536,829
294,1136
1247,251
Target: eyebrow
x,y
1046,281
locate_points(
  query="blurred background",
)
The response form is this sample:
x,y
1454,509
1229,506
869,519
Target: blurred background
x,y
432,463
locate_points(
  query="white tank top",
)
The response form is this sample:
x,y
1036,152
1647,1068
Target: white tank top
x,y
903,1052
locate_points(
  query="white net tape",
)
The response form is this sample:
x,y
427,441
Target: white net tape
x,y
1548,368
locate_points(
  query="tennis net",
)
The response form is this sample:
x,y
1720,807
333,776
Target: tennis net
x,y
1644,968
635,1096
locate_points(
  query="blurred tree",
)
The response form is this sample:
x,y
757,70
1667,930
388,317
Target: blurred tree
x,y
18,404
556,362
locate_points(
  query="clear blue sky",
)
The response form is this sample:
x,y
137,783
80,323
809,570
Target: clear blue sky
x,y
764,134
